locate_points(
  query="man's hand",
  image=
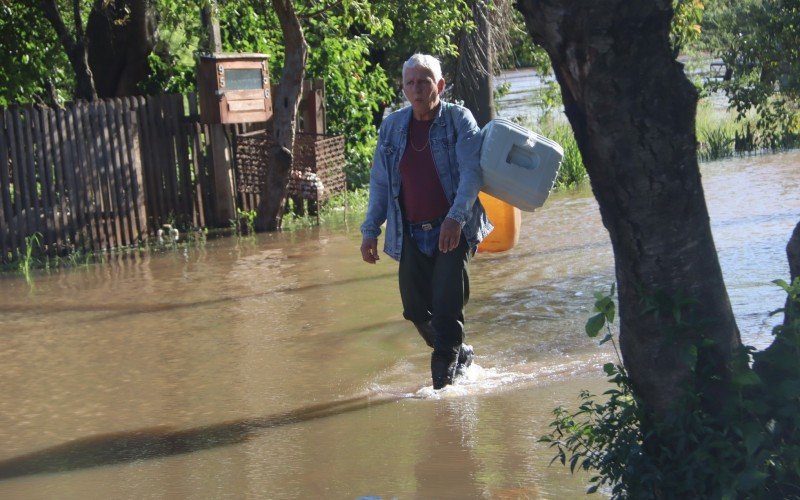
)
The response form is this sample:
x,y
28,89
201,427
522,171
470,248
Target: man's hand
x,y
449,235
369,250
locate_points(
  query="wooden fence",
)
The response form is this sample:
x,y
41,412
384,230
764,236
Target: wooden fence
x,y
106,174
101,175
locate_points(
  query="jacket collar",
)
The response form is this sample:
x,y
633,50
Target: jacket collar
x,y
439,120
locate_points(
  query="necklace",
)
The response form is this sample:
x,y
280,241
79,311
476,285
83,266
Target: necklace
x,y
410,141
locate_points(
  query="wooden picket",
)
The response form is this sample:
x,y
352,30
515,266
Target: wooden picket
x,y
96,176
103,175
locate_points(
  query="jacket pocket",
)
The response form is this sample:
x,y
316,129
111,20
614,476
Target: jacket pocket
x,y
388,149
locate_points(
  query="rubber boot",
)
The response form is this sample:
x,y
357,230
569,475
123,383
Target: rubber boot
x,y
465,356
443,368
426,331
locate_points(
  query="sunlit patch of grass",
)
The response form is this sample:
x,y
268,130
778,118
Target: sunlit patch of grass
x,y
716,133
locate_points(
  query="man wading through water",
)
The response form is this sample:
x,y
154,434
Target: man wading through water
x,y
424,184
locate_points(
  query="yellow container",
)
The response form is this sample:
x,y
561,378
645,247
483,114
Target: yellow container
x,y
506,220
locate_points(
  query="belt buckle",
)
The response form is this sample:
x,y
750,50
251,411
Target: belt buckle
x,y
427,226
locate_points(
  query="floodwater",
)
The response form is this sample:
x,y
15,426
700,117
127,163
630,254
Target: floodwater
x,y
280,367
526,90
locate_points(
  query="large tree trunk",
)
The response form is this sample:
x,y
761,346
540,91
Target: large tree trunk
x,y
121,36
632,110
473,81
75,48
792,309
285,101
770,364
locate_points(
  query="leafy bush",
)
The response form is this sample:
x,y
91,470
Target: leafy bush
x,y
756,41
749,448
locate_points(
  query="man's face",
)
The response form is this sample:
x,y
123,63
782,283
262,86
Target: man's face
x,y
421,89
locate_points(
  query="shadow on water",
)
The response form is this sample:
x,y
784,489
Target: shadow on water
x,y
158,442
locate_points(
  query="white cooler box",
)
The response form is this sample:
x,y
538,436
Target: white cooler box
x,y
519,166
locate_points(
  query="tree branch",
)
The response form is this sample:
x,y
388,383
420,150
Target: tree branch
x,y
74,47
793,253
76,21
792,311
53,15
769,364
319,11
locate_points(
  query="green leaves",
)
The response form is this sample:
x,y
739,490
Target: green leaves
x,y
758,40
30,55
686,22
606,310
793,289
748,447
595,324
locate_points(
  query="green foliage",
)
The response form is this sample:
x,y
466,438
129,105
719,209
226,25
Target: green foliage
x,y
30,55
28,261
572,172
758,42
521,51
716,133
429,26
333,211
686,23
715,143
248,219
601,436
358,50
723,134
501,90
748,447
354,201
355,89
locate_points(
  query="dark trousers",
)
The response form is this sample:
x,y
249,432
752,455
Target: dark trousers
x,y
436,289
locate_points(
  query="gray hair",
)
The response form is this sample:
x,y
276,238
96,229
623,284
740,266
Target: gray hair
x,y
425,61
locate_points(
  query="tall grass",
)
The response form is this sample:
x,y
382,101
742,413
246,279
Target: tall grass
x,y
573,172
716,132
27,261
333,210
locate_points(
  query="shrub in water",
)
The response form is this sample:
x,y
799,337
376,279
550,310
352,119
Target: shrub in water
x,y
749,448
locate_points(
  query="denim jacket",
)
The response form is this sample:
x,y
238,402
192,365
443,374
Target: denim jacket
x,y
455,141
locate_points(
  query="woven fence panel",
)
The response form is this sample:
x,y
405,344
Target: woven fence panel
x,y
318,168
251,162
329,163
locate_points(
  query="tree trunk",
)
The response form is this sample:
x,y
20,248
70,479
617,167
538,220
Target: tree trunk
x,y
212,39
792,311
473,81
632,110
75,48
121,37
793,253
770,364
285,101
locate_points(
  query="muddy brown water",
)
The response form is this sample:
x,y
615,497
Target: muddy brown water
x,y
280,367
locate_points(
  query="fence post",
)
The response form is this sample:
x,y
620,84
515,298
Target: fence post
x,y
222,168
313,106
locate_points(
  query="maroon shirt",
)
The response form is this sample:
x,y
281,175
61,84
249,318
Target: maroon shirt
x,y
421,193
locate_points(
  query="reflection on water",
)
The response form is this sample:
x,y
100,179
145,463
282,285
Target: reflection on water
x,y
281,367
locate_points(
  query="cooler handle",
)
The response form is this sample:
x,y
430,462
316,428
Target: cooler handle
x,y
522,157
